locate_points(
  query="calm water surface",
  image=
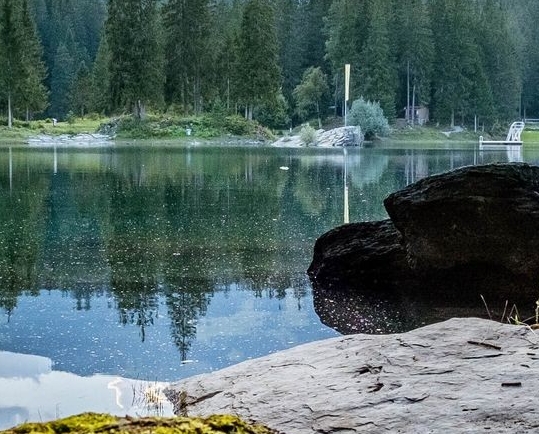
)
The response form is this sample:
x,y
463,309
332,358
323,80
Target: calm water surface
x,y
159,263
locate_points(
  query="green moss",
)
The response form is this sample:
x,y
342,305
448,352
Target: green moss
x,y
88,423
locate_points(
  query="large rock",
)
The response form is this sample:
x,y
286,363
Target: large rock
x,y
367,255
459,376
474,215
87,423
341,136
475,228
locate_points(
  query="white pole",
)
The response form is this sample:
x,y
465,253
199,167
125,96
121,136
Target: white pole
x,y
346,92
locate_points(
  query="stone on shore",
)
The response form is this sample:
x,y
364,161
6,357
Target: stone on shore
x,y
336,137
458,376
368,254
476,228
87,423
483,214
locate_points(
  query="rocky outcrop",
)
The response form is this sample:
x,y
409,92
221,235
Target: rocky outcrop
x,y
106,424
458,376
343,136
484,214
475,228
68,140
369,254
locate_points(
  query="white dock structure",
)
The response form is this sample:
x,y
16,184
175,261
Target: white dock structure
x,y
513,137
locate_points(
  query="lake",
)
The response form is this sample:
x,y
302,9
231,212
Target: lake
x,y
156,262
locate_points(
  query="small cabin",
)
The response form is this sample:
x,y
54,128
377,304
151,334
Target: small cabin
x,y
420,114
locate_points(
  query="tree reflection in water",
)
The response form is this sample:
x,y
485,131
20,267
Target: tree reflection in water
x,y
160,233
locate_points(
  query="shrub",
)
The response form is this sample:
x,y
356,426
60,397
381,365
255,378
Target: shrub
x,y
239,126
307,135
70,118
370,117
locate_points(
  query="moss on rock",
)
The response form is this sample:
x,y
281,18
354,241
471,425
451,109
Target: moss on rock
x,y
88,423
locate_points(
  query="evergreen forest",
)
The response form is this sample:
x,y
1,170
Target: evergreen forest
x,y
279,62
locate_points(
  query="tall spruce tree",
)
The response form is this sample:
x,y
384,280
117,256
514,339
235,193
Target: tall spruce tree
x,y
80,97
10,55
136,55
258,67
101,101
63,74
378,77
187,51
412,35
291,46
460,84
346,30
500,60
525,22
32,93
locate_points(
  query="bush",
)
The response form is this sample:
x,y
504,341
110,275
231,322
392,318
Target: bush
x,y
70,118
273,113
307,135
370,117
239,126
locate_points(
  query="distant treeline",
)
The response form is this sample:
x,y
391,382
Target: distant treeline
x,y
280,62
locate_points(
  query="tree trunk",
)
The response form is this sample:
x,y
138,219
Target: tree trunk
x,y
413,105
407,115
318,114
249,112
140,110
452,118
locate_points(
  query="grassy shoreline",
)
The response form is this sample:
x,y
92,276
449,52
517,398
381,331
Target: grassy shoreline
x,y
234,128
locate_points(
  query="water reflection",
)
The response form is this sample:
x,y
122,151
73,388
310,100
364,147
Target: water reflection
x,y
33,391
162,263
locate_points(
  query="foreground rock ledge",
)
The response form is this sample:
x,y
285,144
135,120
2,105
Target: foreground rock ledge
x,y
461,375
106,424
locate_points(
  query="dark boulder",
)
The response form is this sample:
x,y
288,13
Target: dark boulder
x,y
475,228
368,254
474,215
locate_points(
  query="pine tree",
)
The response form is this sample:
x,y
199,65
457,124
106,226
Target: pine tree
x,y
346,29
528,50
378,78
63,74
187,51
32,93
80,96
136,57
310,93
258,56
460,84
413,39
291,46
101,100
500,60
10,56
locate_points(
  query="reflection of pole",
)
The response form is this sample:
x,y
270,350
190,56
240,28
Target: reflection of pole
x,y
10,169
55,161
346,207
346,92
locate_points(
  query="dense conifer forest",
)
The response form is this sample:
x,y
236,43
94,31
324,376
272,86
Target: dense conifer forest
x,y
280,62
